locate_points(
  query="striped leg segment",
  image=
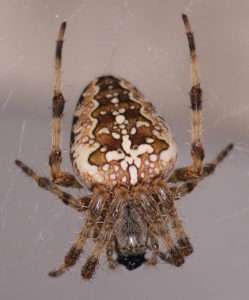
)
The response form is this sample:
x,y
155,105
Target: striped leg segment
x,y
110,250
45,183
195,172
167,199
208,169
197,150
55,157
75,251
103,240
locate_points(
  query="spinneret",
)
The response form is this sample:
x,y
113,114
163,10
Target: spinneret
x,y
124,152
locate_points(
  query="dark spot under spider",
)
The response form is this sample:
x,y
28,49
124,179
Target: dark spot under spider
x,y
131,261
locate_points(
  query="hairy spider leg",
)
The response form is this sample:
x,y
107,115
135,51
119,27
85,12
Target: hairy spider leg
x,y
80,204
55,158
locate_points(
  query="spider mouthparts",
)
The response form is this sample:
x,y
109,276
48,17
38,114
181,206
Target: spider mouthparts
x,y
131,261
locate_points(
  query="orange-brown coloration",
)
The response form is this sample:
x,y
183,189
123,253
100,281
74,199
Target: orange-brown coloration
x,y
117,138
124,151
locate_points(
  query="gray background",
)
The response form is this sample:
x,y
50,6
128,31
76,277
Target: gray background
x,y
143,41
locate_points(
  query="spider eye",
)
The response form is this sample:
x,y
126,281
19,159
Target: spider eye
x,y
131,261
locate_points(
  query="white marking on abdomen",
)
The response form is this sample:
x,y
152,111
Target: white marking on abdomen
x,y
133,174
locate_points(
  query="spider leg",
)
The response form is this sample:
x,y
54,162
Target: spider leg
x,y
197,150
112,262
55,157
167,200
75,251
95,209
160,226
90,265
208,169
103,240
43,182
197,170
153,245
183,243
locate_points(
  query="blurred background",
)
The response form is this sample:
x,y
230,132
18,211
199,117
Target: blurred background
x,y
144,42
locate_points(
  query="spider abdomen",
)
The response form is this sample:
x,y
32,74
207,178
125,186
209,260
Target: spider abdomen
x,y
117,138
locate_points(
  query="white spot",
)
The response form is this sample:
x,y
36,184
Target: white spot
x,y
114,155
110,87
124,131
169,154
134,153
129,160
113,176
142,123
116,168
149,140
122,110
103,149
133,130
120,119
157,133
116,135
115,113
133,174
103,112
122,126
153,157
147,162
115,100
109,96
142,174
124,165
126,144
106,167
137,162
132,107
85,139
104,130
124,179
143,148
126,121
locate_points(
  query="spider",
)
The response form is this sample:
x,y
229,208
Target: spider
x,y
125,154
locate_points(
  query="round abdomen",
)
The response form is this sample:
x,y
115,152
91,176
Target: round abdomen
x,y
117,138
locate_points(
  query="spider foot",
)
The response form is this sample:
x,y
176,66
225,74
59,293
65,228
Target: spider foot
x,y
112,264
173,256
185,246
89,268
56,273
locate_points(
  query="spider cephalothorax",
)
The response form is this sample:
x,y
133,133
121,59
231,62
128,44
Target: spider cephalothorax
x,y
124,153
